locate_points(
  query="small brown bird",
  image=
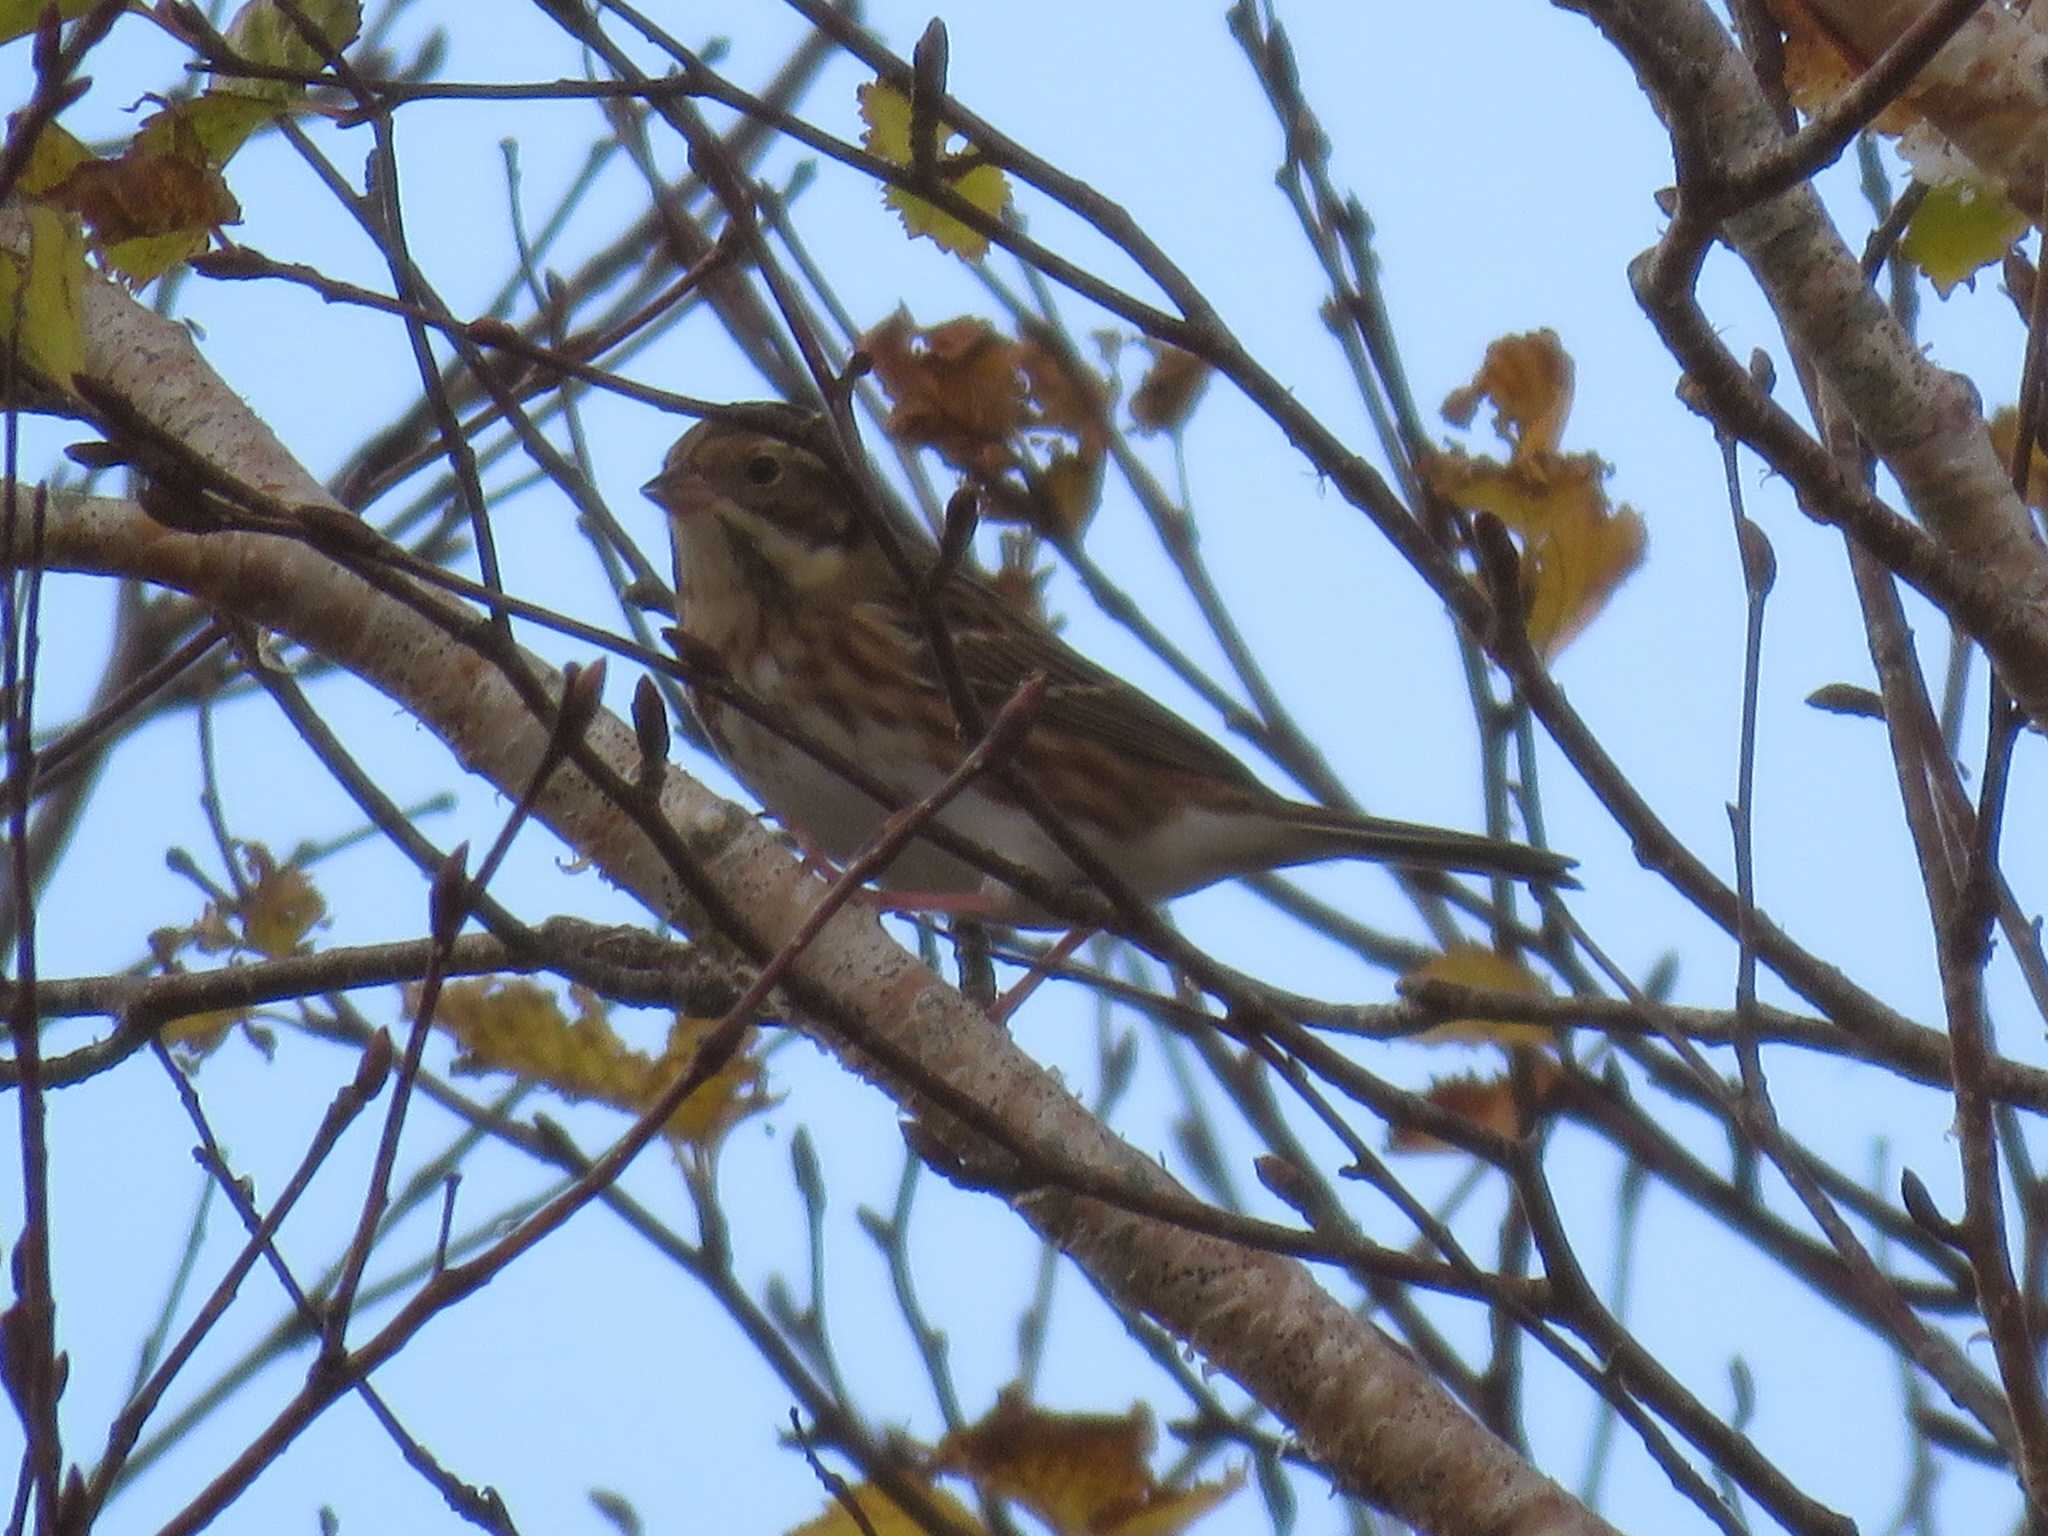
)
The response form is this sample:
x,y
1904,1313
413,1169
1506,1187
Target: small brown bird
x,y
777,575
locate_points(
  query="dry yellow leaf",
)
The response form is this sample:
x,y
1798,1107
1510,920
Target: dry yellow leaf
x,y
883,1517
1474,965
2005,427
1960,228
1576,547
887,113
198,1035
274,915
1073,487
40,294
1083,1474
732,1093
1529,378
511,1024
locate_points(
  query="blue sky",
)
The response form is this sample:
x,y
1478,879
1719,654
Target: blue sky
x,y
1510,165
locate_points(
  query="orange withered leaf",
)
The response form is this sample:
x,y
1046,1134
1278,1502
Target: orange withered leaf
x,y
1065,398
1819,66
957,387
1956,123
156,203
1025,424
1488,1102
1166,396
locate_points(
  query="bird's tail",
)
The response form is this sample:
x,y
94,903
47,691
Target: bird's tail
x,y
1410,845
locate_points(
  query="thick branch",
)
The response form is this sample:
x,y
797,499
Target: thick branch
x,y
1923,422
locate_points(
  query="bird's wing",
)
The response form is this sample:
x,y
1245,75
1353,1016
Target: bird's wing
x,y
999,647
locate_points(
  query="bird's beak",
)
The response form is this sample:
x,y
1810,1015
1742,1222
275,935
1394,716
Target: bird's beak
x,y
680,495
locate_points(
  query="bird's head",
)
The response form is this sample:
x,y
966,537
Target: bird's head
x,y
752,494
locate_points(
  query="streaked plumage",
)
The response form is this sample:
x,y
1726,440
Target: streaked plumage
x,y
776,575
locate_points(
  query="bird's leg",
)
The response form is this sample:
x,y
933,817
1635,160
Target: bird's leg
x,y
968,904
813,859
1051,960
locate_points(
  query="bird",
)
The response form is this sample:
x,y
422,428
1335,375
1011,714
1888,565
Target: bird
x,y
782,580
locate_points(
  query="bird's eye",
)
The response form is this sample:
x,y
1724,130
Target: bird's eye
x,y
763,469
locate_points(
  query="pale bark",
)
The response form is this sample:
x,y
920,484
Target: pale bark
x,y
1924,423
